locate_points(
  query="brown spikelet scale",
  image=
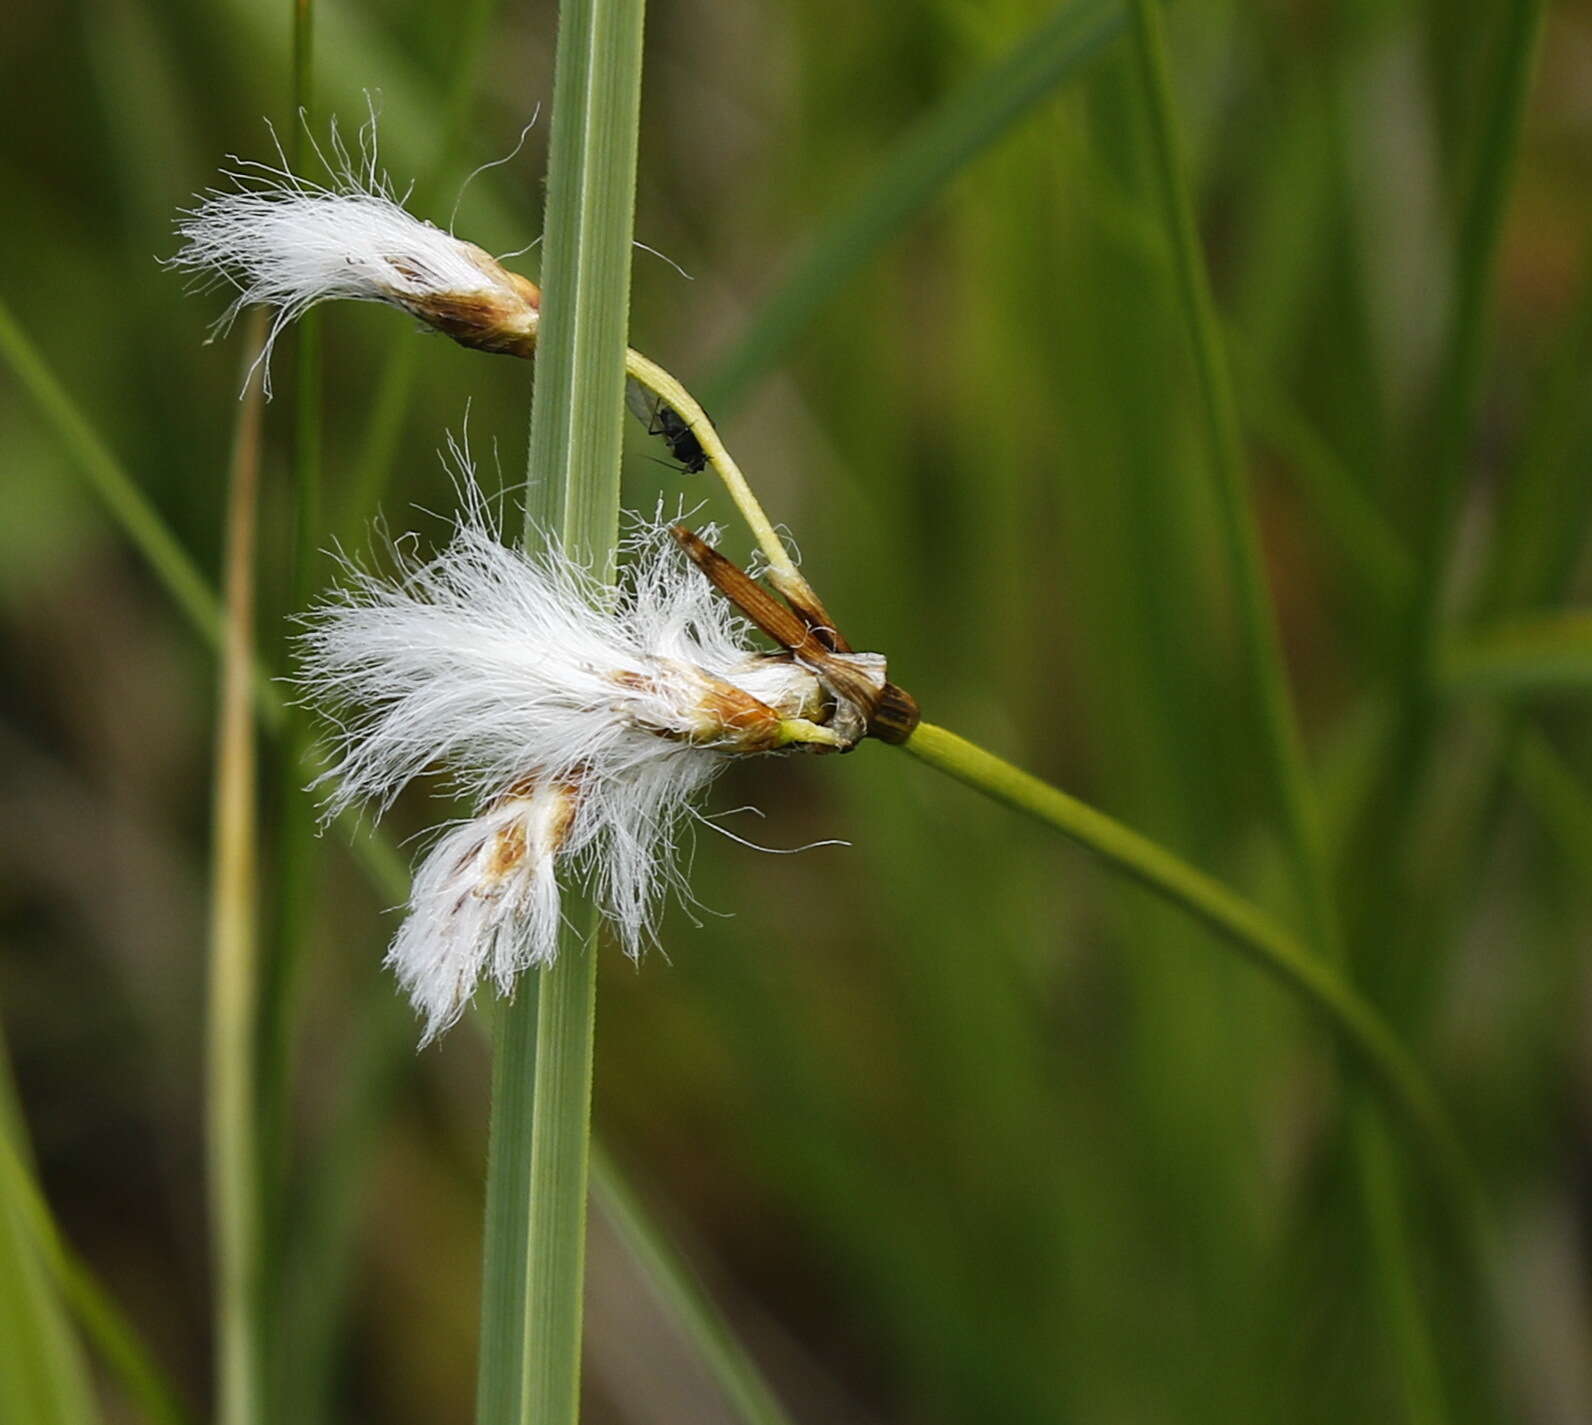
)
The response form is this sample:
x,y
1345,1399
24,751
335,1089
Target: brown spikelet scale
x,y
807,631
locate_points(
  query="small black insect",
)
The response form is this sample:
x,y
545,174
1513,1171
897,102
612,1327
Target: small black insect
x,y
661,419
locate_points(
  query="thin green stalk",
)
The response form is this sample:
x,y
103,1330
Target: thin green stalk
x,y
508,1175
919,167
560,1148
129,508
1558,798
1381,567
1321,988
655,379
1401,1307
331,1197
573,486
577,416
234,971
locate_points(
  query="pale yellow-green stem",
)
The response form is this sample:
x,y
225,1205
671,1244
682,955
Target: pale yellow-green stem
x,y
234,1180
648,374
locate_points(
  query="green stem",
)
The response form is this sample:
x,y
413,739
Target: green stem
x,y
555,1242
573,487
1401,1306
648,374
508,1176
1242,925
1405,762
234,969
1523,655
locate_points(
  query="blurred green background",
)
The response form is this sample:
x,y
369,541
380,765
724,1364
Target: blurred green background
x,y
955,1126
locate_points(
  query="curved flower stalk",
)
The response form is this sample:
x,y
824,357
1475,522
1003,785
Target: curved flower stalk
x,y
581,722
287,243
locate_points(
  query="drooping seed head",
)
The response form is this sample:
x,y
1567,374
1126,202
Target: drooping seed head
x,y
285,242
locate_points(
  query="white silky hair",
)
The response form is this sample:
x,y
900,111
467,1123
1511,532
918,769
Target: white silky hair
x,y
286,242
470,916
512,670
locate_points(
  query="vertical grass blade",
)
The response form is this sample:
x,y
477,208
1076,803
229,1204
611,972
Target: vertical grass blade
x,y
555,1238
573,488
231,1092
1545,499
499,1372
577,417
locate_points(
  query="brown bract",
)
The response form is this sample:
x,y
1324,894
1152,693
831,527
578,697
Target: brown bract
x,y
806,630
503,320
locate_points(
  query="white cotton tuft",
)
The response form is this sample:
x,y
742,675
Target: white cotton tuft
x,y
532,685
485,901
288,243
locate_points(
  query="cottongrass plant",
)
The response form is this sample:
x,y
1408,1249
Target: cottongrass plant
x,y
358,262
289,245
582,723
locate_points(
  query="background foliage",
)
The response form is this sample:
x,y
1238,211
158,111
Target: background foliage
x,y
954,1126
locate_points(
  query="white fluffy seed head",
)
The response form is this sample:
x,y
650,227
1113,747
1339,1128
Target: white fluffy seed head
x,y
484,902
288,243
524,680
